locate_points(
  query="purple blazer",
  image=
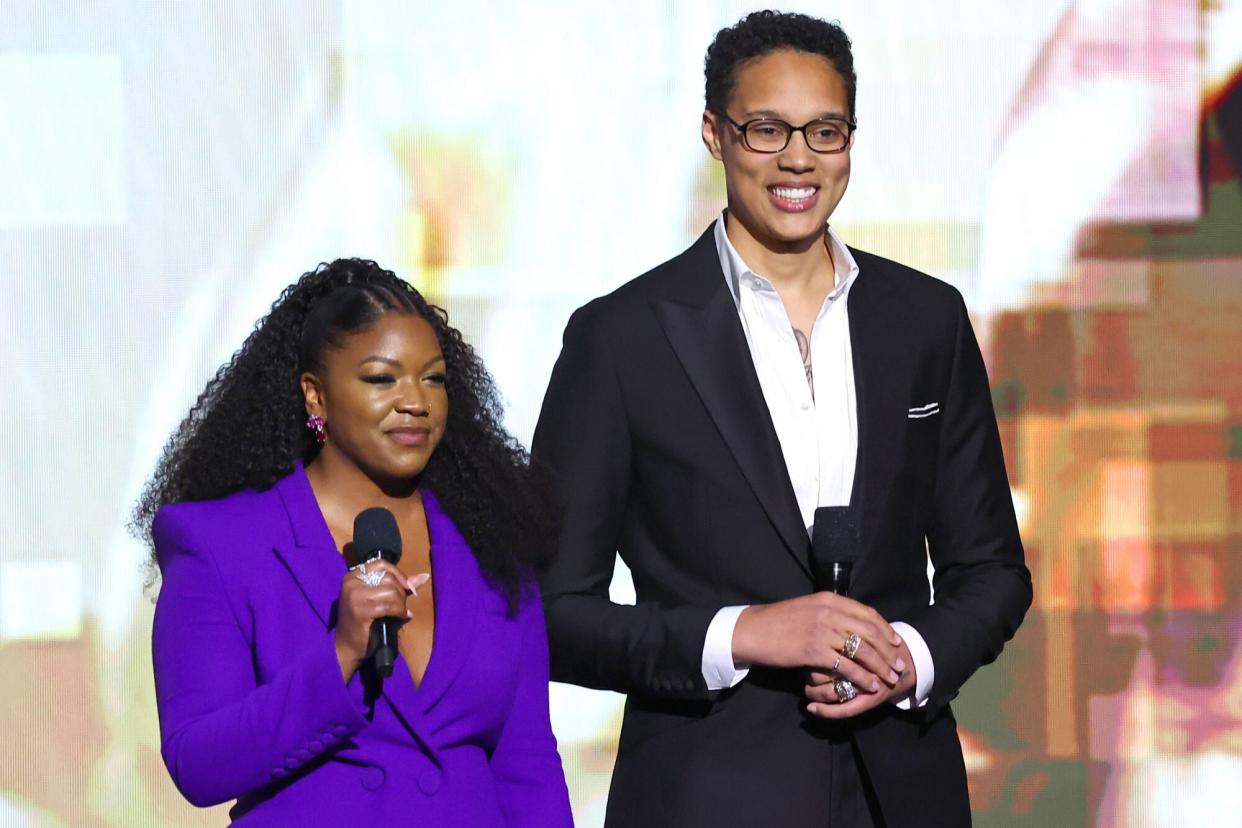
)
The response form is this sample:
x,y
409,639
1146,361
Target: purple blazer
x,y
251,702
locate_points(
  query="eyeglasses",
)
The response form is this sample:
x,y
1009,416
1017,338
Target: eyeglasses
x,y
768,135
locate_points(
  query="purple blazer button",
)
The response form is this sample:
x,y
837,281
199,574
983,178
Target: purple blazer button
x,y
373,778
429,782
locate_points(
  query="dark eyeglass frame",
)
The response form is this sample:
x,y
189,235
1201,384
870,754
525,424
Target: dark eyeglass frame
x,y
851,128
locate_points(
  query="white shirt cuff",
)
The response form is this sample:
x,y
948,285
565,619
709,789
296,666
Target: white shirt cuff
x,y
924,669
718,669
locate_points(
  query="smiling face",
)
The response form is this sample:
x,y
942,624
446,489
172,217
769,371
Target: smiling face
x,y
781,201
383,397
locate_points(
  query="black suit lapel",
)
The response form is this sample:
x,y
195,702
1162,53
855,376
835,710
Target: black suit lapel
x,y
882,373
701,322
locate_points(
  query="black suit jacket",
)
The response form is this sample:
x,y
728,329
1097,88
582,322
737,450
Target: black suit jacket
x,y
664,451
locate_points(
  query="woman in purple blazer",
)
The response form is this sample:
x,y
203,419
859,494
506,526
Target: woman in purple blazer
x,y
352,393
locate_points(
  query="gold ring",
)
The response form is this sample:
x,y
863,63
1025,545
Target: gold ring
x,y
852,643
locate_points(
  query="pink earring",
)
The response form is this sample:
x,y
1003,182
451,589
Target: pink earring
x,y
316,424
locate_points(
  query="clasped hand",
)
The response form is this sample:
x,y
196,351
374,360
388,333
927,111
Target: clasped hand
x,y
810,632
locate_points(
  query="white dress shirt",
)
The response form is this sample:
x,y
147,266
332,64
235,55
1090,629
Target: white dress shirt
x,y
818,431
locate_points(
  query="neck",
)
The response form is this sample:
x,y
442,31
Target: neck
x,y
343,489
801,265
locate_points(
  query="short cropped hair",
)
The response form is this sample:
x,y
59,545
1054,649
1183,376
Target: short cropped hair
x,y
763,32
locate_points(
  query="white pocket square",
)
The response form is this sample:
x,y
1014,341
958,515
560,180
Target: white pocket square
x,y
920,411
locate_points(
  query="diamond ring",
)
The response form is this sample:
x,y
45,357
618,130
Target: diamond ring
x,y
371,579
844,689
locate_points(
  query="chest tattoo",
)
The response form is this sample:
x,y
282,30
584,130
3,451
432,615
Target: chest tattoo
x,y
804,348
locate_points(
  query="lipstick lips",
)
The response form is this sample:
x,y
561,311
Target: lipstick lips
x,y
793,198
409,435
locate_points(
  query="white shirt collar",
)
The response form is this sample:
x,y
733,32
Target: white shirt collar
x,y
735,269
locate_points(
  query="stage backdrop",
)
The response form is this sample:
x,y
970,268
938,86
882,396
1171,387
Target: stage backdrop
x,y
1070,165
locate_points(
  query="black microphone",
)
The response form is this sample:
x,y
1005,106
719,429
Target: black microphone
x,y
834,548
376,536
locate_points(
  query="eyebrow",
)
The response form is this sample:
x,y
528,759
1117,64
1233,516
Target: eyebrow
x,y
772,113
397,362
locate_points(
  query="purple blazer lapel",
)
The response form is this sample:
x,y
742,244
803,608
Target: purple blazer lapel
x,y
457,587
313,560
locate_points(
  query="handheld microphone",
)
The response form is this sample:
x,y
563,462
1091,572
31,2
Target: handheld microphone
x,y
376,536
834,548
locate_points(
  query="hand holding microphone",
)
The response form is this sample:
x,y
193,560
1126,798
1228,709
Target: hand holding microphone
x,y
373,593
865,669
828,633
834,549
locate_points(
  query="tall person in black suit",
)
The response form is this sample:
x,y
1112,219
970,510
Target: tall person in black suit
x,y
696,419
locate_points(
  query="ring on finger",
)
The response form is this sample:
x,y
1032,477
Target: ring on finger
x,y
844,689
373,578
852,643
836,663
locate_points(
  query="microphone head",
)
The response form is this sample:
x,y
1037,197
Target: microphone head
x,y
376,536
834,536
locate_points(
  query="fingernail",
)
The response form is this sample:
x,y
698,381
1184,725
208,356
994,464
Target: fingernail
x,y
409,614
892,677
875,686
900,665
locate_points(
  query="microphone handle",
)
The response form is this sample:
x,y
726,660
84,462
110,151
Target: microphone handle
x,y
384,632
839,577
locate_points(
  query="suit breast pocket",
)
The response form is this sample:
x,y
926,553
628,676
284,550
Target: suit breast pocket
x,y
923,421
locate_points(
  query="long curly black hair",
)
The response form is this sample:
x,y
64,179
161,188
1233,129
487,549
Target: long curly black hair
x,y
247,429
762,32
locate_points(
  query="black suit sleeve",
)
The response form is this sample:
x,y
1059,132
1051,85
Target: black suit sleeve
x,y
584,438
982,585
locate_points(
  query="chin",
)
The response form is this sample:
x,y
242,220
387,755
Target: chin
x,y
410,470
791,229
394,469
